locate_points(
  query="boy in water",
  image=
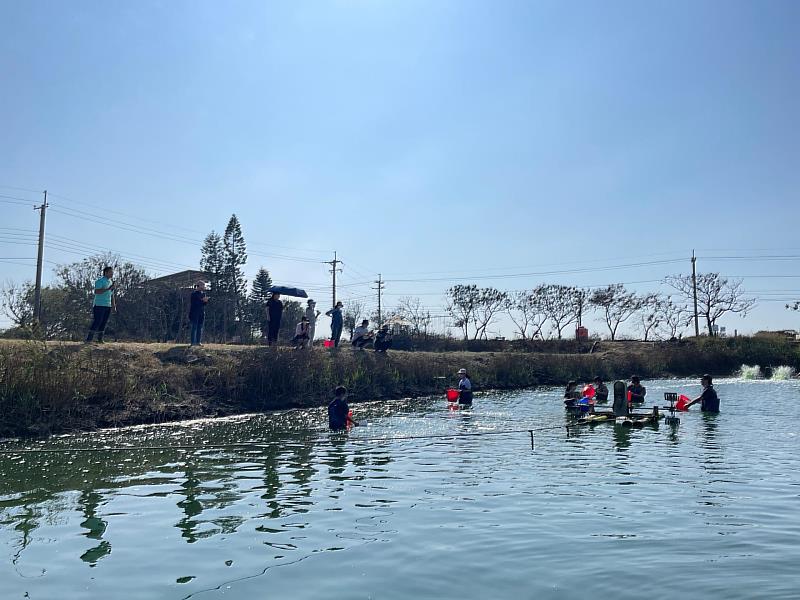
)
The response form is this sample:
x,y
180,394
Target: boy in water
x,y
339,411
709,401
636,391
600,390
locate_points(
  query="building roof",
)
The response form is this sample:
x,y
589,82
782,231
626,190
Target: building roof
x,y
181,279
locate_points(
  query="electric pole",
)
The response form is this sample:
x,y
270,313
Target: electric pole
x,y
694,291
333,263
380,286
37,295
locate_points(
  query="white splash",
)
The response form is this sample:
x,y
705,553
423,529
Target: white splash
x,y
782,372
750,372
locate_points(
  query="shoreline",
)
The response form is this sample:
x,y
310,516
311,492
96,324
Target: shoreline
x,y
62,387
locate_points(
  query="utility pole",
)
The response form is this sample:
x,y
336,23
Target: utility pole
x,y
380,286
37,295
333,263
694,290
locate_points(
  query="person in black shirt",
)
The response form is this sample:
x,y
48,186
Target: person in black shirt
x,y
600,390
197,312
709,401
636,391
339,411
274,314
383,339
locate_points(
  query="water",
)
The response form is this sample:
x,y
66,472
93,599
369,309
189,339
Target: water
x,y
707,510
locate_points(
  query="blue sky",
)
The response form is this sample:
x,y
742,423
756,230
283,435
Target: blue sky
x,y
457,138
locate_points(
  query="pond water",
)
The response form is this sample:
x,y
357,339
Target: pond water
x,y
706,509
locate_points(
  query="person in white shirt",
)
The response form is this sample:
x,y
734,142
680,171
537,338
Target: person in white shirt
x,y
464,387
362,335
301,333
311,314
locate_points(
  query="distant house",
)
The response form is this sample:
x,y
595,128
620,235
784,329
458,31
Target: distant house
x,y
180,280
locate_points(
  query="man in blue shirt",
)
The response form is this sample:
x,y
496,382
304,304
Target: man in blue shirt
x,y
337,321
104,303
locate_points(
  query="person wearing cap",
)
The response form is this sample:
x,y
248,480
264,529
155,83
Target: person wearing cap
x,y
709,401
337,322
339,412
464,387
311,314
600,390
636,391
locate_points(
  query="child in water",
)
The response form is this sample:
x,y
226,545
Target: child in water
x,y
339,412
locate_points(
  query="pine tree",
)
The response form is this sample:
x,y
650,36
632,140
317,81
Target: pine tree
x,y
258,298
234,256
211,262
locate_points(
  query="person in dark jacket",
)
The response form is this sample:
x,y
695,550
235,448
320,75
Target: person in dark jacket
x,y
383,339
709,401
339,411
600,390
274,314
636,391
197,312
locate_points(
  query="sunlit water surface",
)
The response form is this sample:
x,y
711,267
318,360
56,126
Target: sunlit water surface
x,y
705,510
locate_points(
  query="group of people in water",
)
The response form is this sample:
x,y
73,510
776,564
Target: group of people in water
x,y
636,392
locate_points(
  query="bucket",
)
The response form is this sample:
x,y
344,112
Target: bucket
x,y
682,402
327,343
452,395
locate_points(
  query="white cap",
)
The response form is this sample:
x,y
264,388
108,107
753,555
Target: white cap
x,y
462,371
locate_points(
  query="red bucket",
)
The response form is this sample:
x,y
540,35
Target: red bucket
x,y
452,395
327,343
682,402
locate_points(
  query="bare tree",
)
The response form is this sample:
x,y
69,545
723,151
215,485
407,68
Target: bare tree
x,y
675,317
580,303
716,296
617,305
525,311
651,314
462,302
412,310
558,303
353,311
490,302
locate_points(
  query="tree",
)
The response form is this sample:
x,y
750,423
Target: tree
x,y
558,303
462,302
617,305
353,313
212,263
418,317
580,303
716,296
259,295
293,311
525,311
234,257
17,304
651,314
675,317
490,302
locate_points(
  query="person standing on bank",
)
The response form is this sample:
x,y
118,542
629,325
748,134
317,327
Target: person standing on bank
x,y
709,401
274,314
464,387
311,314
104,302
337,323
197,312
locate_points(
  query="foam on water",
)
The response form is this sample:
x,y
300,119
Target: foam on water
x,y
750,372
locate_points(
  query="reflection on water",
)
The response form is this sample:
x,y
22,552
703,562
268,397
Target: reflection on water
x,y
276,503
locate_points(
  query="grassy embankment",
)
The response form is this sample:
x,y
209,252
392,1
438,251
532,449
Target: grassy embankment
x,y
56,387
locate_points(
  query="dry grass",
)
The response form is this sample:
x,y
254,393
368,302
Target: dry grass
x,y
54,387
